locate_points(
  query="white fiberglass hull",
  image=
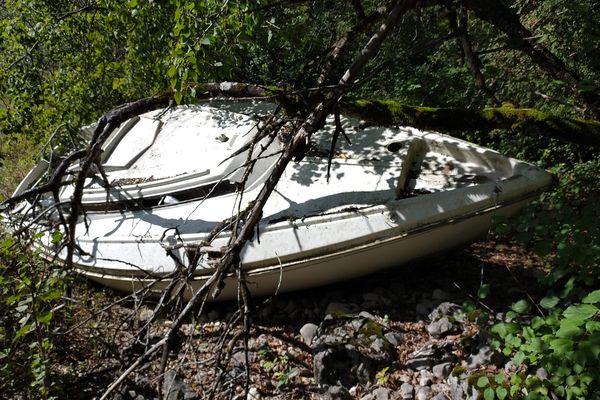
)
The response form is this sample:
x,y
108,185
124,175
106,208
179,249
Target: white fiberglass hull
x,y
313,231
335,267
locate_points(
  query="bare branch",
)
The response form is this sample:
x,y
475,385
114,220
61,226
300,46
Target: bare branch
x,y
498,14
461,27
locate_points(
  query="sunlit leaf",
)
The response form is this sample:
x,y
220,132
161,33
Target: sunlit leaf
x,y
593,297
580,311
483,381
501,392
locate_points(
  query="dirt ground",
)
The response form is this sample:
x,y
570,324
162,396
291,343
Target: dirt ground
x,y
280,362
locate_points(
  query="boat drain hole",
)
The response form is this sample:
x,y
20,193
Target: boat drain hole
x,y
394,147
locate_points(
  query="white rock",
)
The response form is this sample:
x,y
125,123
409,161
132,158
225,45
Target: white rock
x,y
253,394
308,332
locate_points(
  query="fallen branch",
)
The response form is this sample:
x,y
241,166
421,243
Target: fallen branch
x,y
519,120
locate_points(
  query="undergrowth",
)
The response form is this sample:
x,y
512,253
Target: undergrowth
x,y
555,343
31,291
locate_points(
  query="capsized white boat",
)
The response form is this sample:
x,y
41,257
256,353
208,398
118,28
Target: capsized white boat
x,y
393,195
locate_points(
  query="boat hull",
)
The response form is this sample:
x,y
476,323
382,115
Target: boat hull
x,y
387,197
340,266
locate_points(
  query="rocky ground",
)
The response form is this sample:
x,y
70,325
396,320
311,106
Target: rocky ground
x,y
411,333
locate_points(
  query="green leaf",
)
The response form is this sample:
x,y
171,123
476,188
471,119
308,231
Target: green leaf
x,y
549,302
171,71
499,378
484,291
537,323
503,328
483,381
489,394
519,358
593,297
514,390
178,97
501,392
133,3
561,346
45,318
57,235
54,294
592,326
521,306
22,332
515,379
580,311
569,328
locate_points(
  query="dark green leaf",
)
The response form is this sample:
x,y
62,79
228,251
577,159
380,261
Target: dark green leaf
x,y
549,302
561,346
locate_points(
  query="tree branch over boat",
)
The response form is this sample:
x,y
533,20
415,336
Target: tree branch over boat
x,y
306,113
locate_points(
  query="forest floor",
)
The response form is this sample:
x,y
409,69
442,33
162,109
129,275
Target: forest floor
x,y
282,359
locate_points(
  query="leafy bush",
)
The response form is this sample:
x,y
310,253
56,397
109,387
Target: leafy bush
x,y
30,293
562,336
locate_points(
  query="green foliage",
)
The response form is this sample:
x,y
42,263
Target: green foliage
x,y
64,63
280,367
562,226
210,40
30,294
564,340
16,159
382,376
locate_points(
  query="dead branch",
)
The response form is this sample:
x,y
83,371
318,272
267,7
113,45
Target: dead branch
x,y
518,120
53,183
498,14
459,22
364,23
313,122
